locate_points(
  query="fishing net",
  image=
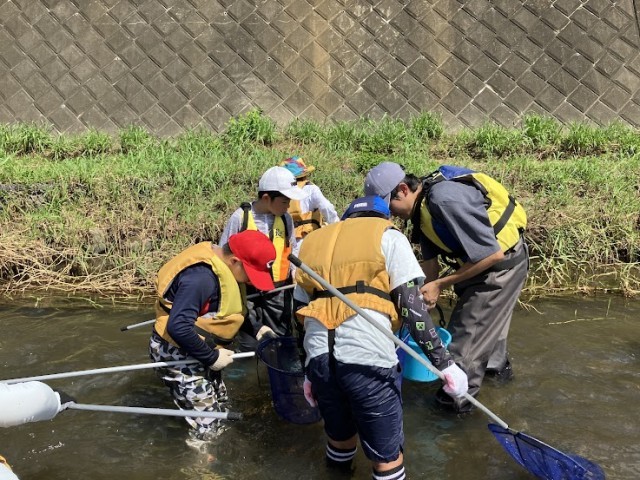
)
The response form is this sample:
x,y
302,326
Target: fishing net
x,y
286,376
544,461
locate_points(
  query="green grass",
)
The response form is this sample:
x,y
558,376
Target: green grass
x,y
118,206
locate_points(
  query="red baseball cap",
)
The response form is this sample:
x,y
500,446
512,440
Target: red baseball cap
x,y
257,253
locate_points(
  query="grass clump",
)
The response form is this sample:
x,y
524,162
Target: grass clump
x,y
101,214
23,139
251,127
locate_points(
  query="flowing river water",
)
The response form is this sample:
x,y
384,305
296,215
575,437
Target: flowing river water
x,y
576,387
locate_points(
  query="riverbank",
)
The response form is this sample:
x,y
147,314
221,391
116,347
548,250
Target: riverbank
x,y
97,215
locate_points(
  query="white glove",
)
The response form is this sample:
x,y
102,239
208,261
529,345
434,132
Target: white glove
x,y
65,400
225,358
265,331
306,389
456,383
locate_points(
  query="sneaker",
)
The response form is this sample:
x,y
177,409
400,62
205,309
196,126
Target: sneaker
x,y
502,375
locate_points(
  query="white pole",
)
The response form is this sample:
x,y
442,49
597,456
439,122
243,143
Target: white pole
x,y
121,368
155,411
306,269
253,295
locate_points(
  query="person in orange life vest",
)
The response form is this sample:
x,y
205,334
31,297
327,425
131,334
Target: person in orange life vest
x,y
271,313
315,210
352,369
199,310
308,215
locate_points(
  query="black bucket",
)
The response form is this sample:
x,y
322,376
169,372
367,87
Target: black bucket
x,y
286,377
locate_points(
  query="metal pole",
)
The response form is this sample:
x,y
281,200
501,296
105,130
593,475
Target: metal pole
x,y
249,297
155,411
121,368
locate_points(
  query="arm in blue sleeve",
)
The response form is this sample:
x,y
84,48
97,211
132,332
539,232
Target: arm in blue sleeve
x,y
195,287
416,317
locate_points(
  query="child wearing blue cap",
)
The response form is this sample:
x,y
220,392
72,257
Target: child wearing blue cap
x,y
352,368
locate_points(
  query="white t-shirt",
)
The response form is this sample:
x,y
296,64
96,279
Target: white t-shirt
x,y
356,340
317,201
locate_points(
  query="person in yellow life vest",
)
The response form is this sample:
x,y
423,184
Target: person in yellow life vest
x,y
269,314
472,222
199,310
352,368
315,210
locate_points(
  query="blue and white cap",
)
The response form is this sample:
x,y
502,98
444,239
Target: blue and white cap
x,y
371,203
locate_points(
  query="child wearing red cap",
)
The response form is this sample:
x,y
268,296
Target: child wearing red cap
x,y
271,313
199,310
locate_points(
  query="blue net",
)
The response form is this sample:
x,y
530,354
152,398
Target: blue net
x,y
544,461
286,376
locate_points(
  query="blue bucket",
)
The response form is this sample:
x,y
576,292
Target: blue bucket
x,y
286,376
414,370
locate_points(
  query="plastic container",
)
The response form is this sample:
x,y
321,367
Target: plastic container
x,y
411,368
286,377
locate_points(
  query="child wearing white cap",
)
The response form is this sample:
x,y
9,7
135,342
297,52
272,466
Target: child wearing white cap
x,y
269,314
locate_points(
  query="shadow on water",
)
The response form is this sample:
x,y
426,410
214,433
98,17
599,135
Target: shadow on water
x,y
577,387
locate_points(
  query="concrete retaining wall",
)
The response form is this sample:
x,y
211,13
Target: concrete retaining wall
x,y
169,65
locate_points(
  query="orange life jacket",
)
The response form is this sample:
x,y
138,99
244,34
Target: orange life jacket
x,y
347,254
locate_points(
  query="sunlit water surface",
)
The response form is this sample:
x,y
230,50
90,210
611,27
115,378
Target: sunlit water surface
x,y
577,388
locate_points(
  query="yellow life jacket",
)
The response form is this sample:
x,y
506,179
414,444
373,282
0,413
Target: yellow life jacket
x,y
279,236
506,215
220,326
347,254
305,222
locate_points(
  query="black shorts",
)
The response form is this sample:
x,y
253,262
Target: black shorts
x,y
360,399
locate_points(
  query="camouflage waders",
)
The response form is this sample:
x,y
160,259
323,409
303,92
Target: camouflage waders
x,y
193,387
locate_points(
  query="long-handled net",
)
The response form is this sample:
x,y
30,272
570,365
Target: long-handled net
x,y
543,460
540,459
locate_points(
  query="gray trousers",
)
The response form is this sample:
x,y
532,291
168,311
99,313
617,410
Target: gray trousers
x,y
480,320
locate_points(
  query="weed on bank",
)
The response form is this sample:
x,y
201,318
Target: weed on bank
x,y
99,213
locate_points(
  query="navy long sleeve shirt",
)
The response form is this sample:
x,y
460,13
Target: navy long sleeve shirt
x,y
193,288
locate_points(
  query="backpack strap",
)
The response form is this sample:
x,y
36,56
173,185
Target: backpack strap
x,y
246,208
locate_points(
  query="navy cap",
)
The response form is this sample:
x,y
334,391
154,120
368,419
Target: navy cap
x,y
371,203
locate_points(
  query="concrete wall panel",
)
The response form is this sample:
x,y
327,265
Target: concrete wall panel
x,y
169,65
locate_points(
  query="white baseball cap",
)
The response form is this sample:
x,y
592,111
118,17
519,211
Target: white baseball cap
x,y
279,179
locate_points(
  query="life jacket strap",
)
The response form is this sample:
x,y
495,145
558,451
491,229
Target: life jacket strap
x,y
164,307
509,263
360,287
313,221
246,208
331,340
210,339
506,215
